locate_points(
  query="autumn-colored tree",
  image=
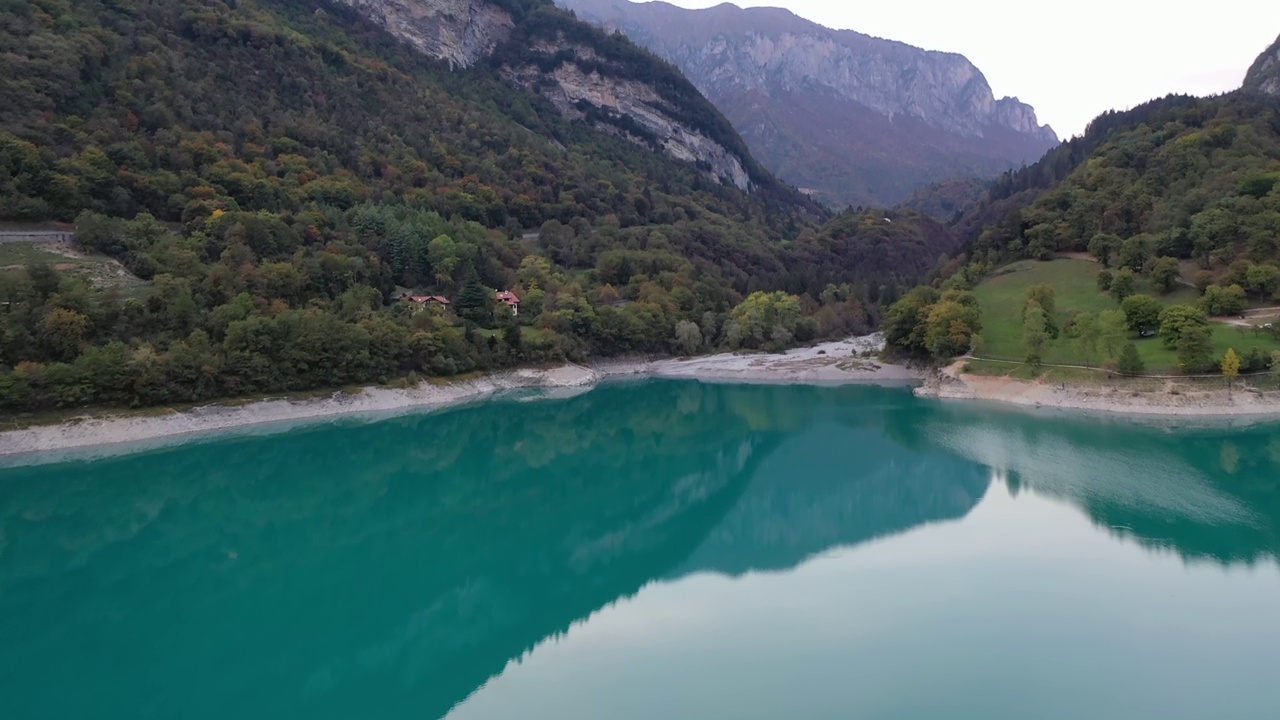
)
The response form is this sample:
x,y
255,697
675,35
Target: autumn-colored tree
x,y
1231,367
62,333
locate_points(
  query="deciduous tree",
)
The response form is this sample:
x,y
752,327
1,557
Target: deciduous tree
x,y
1113,329
1035,333
1177,318
1123,285
1165,274
1141,312
1088,334
1231,367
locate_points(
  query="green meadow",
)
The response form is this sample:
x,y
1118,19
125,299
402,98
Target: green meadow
x,y
1003,296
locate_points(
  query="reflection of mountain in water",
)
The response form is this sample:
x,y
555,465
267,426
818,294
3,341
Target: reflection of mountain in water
x,y
834,486
411,560
1202,493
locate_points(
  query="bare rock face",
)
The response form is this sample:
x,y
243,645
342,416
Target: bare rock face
x,y
1264,76
458,31
576,92
857,119
464,32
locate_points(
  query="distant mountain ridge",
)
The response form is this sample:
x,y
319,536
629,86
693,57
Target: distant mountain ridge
x,y
852,118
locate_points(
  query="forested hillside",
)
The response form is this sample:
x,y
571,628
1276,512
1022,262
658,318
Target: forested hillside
x,y
1192,181
1177,194
1017,189
276,174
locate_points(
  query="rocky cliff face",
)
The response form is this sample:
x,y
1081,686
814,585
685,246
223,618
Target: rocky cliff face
x,y
459,31
626,107
854,117
1264,76
559,61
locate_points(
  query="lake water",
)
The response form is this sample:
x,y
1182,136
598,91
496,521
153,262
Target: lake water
x,y
654,550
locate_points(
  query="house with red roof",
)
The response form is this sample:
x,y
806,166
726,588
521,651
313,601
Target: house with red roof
x,y
508,298
423,301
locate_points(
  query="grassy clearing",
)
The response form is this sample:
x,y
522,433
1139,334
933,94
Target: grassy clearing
x,y
18,253
1003,296
99,270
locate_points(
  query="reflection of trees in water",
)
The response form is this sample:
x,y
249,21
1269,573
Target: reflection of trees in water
x,y
833,486
1203,493
410,559
461,539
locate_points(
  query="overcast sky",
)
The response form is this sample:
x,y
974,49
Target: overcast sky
x,y
1074,60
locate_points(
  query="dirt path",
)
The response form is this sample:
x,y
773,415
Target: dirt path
x,y
40,237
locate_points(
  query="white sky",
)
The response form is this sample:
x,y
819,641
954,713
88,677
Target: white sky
x,y
1071,61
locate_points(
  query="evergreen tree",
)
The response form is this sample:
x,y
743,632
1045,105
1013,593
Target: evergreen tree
x,y
475,302
1130,362
512,336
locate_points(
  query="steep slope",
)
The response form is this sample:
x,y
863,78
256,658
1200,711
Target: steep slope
x,y
852,118
1264,75
1172,117
588,76
1196,179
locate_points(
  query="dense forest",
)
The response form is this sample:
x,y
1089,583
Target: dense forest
x,y
1193,180
1017,189
276,178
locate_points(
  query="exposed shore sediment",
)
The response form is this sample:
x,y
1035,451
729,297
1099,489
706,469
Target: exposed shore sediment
x,y
1172,401
95,435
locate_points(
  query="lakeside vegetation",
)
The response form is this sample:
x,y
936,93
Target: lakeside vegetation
x,y
1056,313
1128,247
1003,297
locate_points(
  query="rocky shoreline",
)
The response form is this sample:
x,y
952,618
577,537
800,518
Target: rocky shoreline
x,y
845,362
97,435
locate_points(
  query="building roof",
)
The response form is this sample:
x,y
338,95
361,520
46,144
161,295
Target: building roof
x,y
508,297
424,299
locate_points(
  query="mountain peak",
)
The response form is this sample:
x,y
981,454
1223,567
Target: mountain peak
x,y
1264,75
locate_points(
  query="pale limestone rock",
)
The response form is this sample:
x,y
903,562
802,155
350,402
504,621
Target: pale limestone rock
x,y
463,32
457,31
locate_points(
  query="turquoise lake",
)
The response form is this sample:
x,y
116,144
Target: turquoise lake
x,y
656,549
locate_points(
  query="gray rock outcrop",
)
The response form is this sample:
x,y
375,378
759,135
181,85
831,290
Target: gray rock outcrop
x,y
1264,76
458,31
463,32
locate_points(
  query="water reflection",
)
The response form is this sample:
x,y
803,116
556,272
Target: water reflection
x,y
398,566
1204,493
